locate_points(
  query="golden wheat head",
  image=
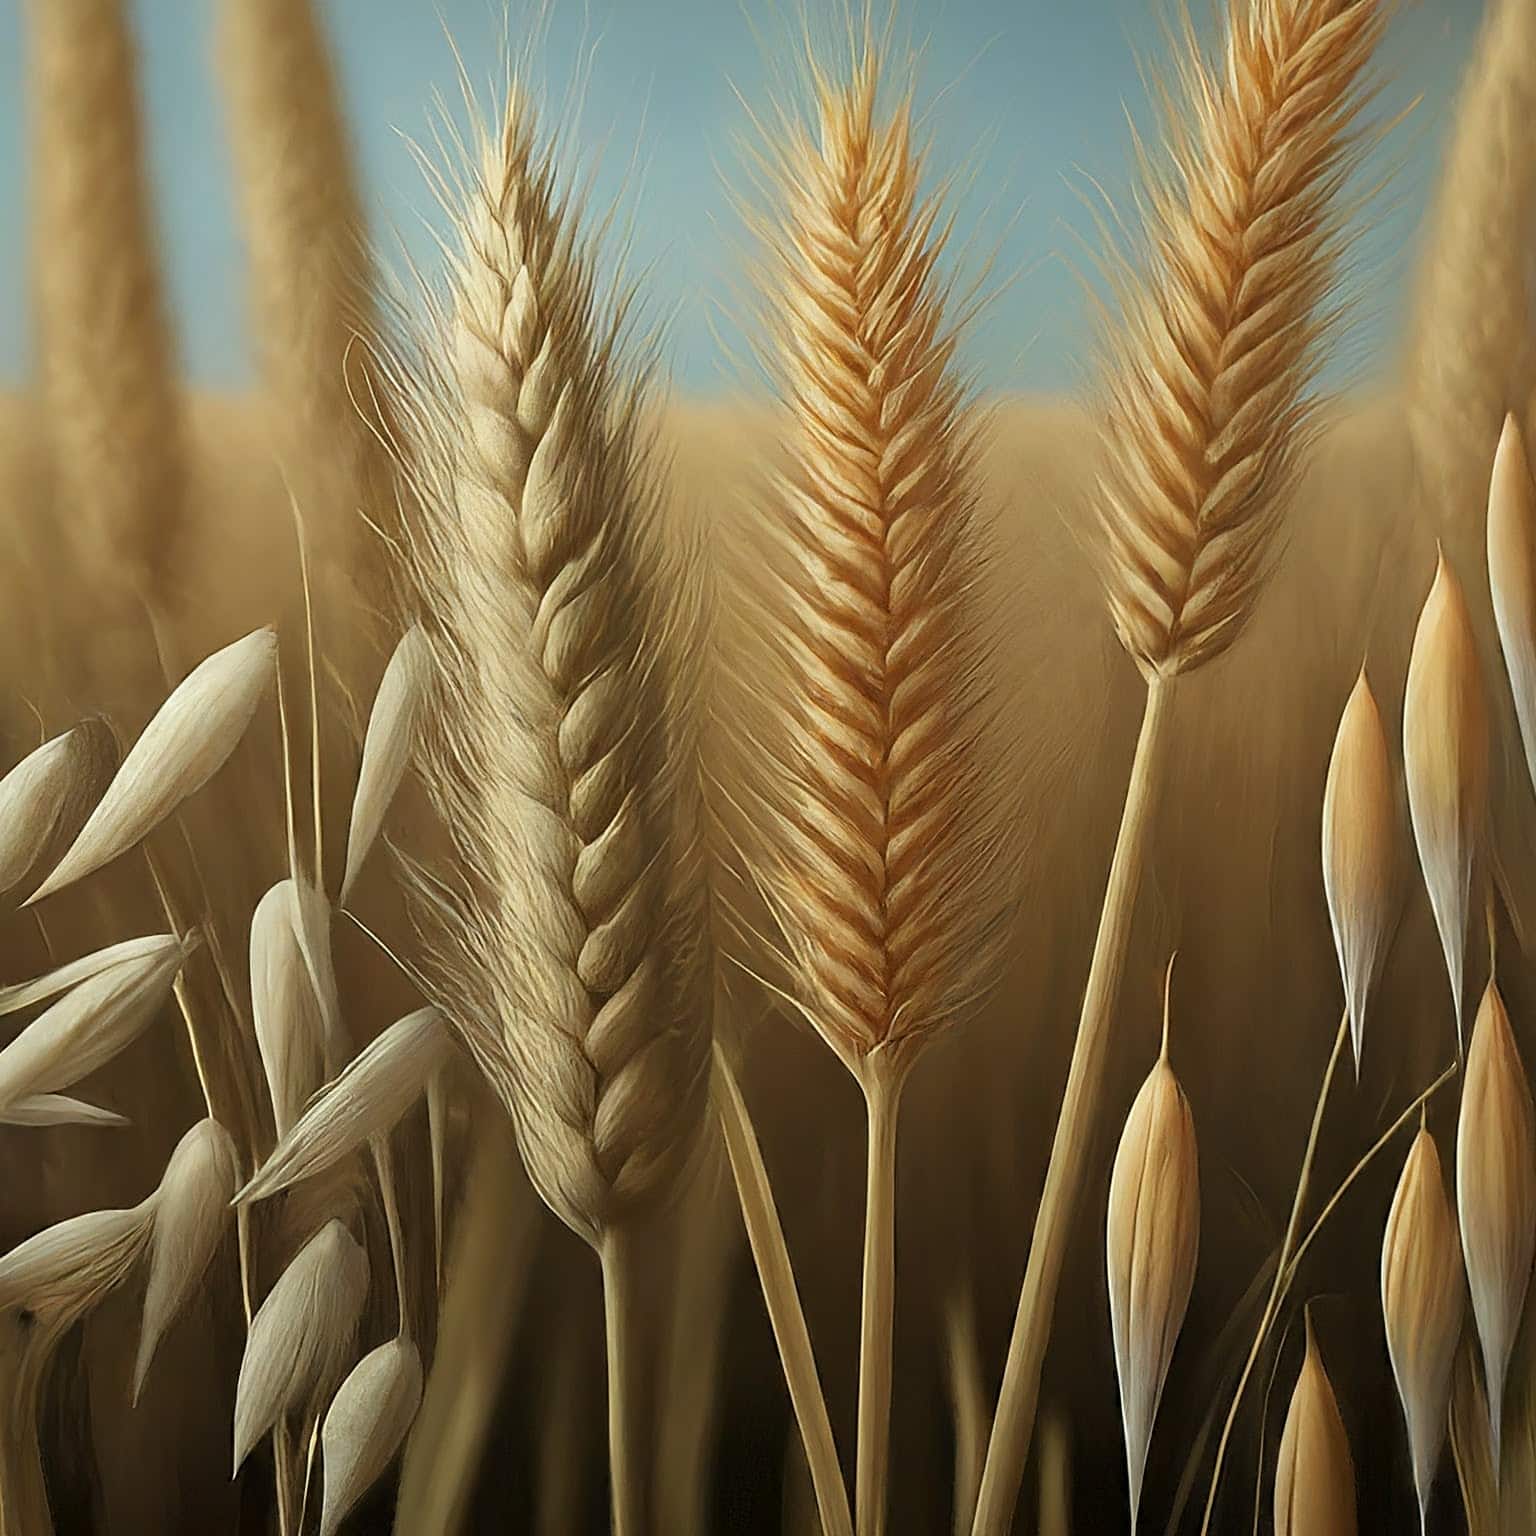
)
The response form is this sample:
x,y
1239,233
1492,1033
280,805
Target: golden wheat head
x,y
878,870
542,750
1210,362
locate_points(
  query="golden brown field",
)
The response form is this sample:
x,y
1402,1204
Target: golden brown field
x,y
151,526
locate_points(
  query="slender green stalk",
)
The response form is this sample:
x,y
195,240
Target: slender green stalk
x,y
882,1101
628,1409
770,1253
1008,1448
1282,1268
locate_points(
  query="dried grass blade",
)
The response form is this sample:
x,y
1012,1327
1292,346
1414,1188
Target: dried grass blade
x,y
56,1109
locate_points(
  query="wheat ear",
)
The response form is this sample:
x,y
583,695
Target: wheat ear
x,y
552,953
878,870
107,358
1471,355
1207,401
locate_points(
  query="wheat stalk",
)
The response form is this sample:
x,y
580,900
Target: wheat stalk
x,y
877,867
552,955
1207,403
107,357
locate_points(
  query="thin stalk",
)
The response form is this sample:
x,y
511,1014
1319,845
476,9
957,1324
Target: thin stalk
x,y
968,1402
628,1407
775,1274
1277,1290
1008,1448
386,1171
882,1101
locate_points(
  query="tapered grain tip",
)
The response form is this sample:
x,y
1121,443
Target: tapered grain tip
x,y
1423,1300
1360,854
191,1217
1209,366
1315,1474
1445,759
1496,1192
300,1338
188,741
1512,575
1151,1244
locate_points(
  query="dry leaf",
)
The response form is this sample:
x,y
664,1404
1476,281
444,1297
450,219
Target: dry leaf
x,y
186,743
366,1425
1445,756
1496,1193
1360,851
386,748
191,1214
300,1338
365,1101
1423,1300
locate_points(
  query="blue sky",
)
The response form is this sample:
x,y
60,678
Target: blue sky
x,y
1028,97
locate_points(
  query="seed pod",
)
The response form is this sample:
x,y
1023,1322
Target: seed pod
x,y
386,747
1314,1477
23,994
1445,758
1512,575
1496,1193
1151,1243
191,1216
299,1340
1423,1300
290,1029
1360,850
366,1425
187,742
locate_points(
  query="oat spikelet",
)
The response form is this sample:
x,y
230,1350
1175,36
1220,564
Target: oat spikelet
x,y
879,828
1445,761
1210,365
1152,1239
1512,575
108,364
540,728
1360,850
1315,1474
1423,1299
1496,1193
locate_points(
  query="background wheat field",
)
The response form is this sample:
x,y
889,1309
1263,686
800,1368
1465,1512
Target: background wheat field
x,y
680,659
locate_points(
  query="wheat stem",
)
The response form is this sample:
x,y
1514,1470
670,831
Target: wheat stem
x,y
628,1406
770,1254
386,1171
1009,1445
882,1100
1282,1277
969,1406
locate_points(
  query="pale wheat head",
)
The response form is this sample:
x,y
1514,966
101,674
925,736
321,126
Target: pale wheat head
x,y
541,732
